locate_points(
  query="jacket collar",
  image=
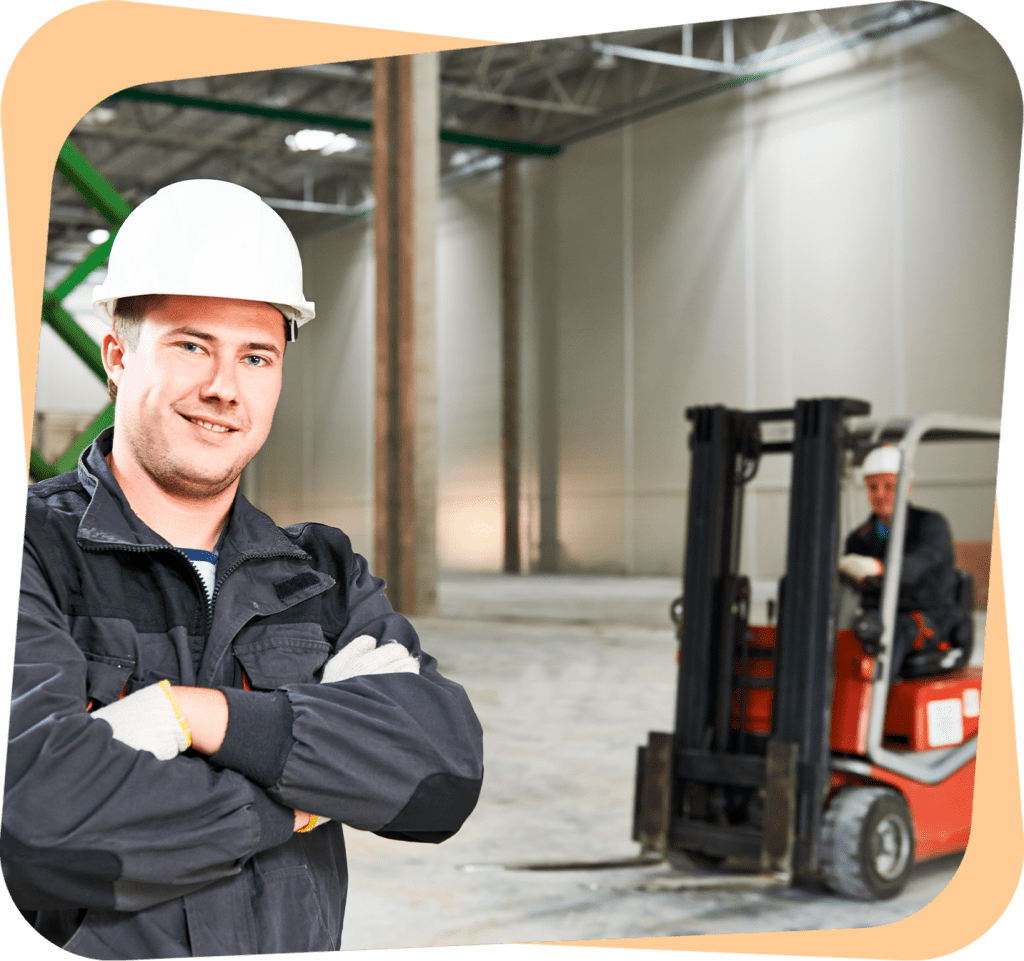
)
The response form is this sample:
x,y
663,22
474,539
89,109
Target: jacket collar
x,y
110,521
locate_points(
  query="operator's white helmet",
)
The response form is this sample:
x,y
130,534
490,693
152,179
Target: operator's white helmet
x,y
207,238
882,460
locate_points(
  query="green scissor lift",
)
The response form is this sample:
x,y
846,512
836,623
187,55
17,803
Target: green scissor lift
x,y
98,193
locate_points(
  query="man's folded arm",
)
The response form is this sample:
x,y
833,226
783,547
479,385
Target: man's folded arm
x,y
89,821
389,745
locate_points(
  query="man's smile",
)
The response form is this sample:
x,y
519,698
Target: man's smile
x,y
210,425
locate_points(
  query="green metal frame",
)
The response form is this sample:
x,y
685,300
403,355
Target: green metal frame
x,y
324,120
103,198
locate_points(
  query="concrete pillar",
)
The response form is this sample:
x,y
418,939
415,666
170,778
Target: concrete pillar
x,y
405,174
510,412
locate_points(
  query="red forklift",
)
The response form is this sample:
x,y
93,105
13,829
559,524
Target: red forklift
x,y
797,747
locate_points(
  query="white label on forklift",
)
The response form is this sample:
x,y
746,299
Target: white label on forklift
x,y
972,702
945,722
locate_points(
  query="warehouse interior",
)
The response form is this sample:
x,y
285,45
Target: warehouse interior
x,y
612,229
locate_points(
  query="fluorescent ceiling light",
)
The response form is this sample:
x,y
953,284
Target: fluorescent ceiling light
x,y
99,115
323,140
341,143
462,157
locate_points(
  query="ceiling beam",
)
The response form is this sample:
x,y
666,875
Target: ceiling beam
x,y
490,96
660,56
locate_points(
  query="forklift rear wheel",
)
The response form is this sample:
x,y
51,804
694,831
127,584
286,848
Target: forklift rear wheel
x,y
867,848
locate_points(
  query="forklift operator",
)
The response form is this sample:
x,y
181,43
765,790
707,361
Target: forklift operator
x,y
202,698
927,608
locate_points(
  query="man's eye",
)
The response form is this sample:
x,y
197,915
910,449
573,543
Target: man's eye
x,y
255,361
189,347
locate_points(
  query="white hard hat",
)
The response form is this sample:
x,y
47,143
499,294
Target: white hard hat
x,y
882,460
206,238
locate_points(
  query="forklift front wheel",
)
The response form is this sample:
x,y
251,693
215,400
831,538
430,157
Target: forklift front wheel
x,y
867,844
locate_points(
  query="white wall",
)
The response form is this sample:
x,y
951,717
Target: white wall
x,y
470,526
317,463
844,227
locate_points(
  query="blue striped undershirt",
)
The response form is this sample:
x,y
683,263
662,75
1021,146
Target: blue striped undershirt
x,y
205,563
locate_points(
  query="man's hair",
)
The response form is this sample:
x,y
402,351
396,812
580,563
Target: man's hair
x,y
129,313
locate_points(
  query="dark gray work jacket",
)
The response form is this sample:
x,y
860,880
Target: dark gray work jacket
x,y
112,853
928,572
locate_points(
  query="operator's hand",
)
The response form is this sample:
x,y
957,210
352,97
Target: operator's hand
x,y
859,566
151,720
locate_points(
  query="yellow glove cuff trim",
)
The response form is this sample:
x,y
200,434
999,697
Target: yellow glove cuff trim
x,y
310,824
166,687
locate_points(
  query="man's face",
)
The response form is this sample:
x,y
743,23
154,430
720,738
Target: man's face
x,y
196,398
881,490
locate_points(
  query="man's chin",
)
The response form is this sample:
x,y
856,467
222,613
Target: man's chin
x,y
198,484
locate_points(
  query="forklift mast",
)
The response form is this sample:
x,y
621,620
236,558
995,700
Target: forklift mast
x,y
726,788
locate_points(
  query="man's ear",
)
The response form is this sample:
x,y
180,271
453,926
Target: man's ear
x,y
113,352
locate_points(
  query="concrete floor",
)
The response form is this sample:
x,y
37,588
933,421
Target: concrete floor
x,y
567,674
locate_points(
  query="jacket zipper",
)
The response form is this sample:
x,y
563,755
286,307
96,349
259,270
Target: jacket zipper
x,y
208,600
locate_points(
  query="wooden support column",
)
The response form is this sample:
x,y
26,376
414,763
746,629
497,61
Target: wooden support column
x,y
510,361
405,176
544,291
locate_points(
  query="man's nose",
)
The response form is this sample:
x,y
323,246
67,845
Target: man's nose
x,y
223,381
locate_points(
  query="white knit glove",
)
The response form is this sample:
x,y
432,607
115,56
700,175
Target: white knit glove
x,y
149,720
859,566
362,656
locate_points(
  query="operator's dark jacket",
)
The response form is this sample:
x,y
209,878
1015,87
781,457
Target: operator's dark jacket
x,y
197,856
928,574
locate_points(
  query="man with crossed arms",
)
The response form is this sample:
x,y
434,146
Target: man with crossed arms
x,y
201,698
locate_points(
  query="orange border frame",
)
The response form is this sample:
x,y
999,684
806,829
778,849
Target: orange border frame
x,y
57,66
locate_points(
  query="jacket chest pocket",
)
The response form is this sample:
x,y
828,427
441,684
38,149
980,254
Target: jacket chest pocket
x,y
119,659
106,678
275,655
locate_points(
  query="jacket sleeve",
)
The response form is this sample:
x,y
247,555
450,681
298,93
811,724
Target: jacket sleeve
x,y
932,551
399,753
91,822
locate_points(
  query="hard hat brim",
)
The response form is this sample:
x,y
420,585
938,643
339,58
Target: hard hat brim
x,y
103,303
